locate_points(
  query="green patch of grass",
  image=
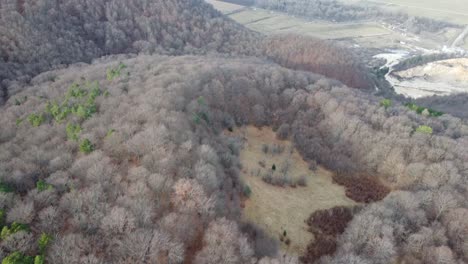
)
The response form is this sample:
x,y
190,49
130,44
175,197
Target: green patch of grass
x,y
86,146
424,129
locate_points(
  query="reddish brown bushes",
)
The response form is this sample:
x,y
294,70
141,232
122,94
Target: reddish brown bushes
x,y
318,56
330,222
363,189
326,225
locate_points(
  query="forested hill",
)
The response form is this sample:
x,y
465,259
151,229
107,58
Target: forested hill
x,y
46,34
37,35
126,159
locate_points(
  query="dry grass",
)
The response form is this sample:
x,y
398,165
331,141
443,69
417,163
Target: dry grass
x,y
279,209
224,7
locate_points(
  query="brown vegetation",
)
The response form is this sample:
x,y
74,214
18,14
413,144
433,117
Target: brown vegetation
x,y
362,189
318,56
326,225
123,160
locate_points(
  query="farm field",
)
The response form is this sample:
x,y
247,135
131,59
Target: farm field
x,y
454,11
366,34
278,209
224,7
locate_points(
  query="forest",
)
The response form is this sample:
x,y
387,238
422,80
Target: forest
x,y
112,147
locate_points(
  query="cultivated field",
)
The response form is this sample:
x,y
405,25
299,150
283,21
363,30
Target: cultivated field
x,y
367,34
224,7
279,209
455,11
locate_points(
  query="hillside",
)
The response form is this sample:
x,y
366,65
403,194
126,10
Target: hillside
x,y
42,35
163,132
107,156
91,29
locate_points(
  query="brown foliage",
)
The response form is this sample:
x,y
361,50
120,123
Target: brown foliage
x,y
318,56
326,225
362,189
330,222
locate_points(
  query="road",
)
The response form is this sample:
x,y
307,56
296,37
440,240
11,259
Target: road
x,y
460,38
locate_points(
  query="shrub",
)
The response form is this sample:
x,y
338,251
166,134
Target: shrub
x,y
302,181
86,146
76,91
265,148
330,221
247,191
267,177
19,121
59,113
419,109
94,92
44,241
110,132
5,188
283,132
361,188
14,228
84,111
73,131
113,73
18,258
39,259
326,225
20,101
424,129
321,246
41,185
386,103
36,119
2,217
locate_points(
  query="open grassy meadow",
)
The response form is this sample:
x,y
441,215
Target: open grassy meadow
x,y
284,209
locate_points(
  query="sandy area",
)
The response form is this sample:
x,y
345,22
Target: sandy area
x,y
435,78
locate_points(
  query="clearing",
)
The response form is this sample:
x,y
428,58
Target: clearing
x,y
278,209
